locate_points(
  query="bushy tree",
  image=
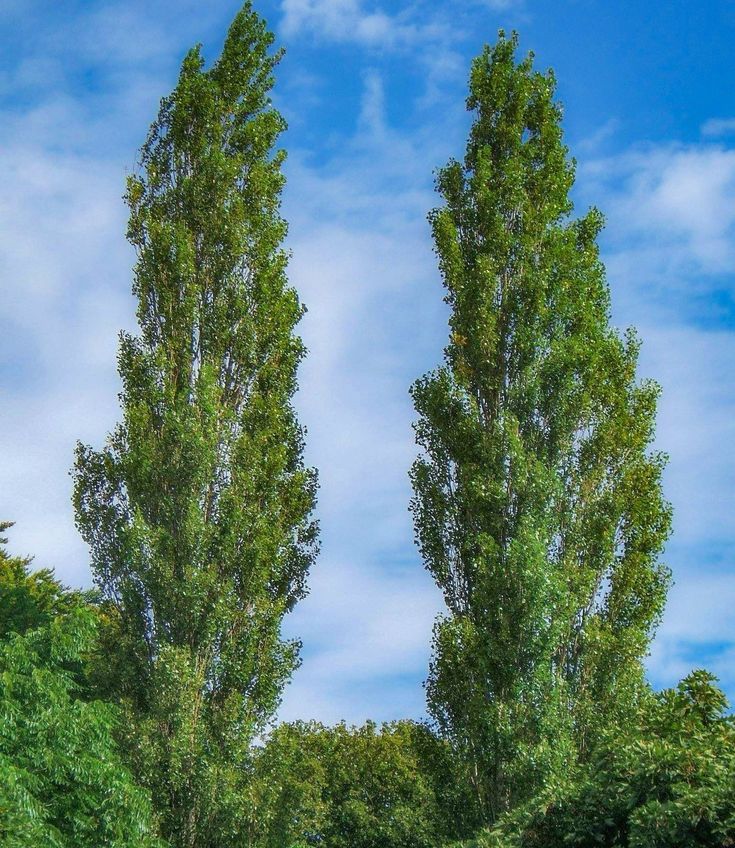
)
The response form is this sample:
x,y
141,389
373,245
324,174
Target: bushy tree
x,y
30,598
365,787
62,780
538,505
665,779
197,511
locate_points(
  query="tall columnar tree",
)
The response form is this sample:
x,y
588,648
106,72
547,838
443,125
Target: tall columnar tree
x,y
537,499
197,511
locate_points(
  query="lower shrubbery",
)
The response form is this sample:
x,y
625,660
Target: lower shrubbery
x,y
364,787
62,781
665,780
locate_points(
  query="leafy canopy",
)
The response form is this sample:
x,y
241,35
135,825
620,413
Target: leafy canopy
x,y
364,787
663,780
62,781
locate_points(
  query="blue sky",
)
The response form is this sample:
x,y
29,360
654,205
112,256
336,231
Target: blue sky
x,y
374,93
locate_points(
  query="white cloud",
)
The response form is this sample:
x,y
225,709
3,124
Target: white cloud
x,y
350,21
363,264
342,20
64,262
696,424
592,144
363,628
670,254
113,36
61,226
697,630
716,127
677,202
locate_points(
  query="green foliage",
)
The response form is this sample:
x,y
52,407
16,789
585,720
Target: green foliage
x,y
62,782
197,511
666,779
367,787
30,599
538,505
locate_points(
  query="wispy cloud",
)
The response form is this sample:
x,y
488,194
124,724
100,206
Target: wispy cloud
x,y
62,260
369,24
362,260
366,632
697,631
672,215
352,21
717,127
594,143
670,253
501,5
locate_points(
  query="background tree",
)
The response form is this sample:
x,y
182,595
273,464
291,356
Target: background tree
x,y
197,511
665,779
62,780
537,505
362,787
30,599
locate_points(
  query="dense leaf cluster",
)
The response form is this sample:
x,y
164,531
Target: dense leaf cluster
x,y
365,787
664,780
63,783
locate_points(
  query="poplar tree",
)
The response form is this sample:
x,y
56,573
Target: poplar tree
x,y
537,497
197,510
